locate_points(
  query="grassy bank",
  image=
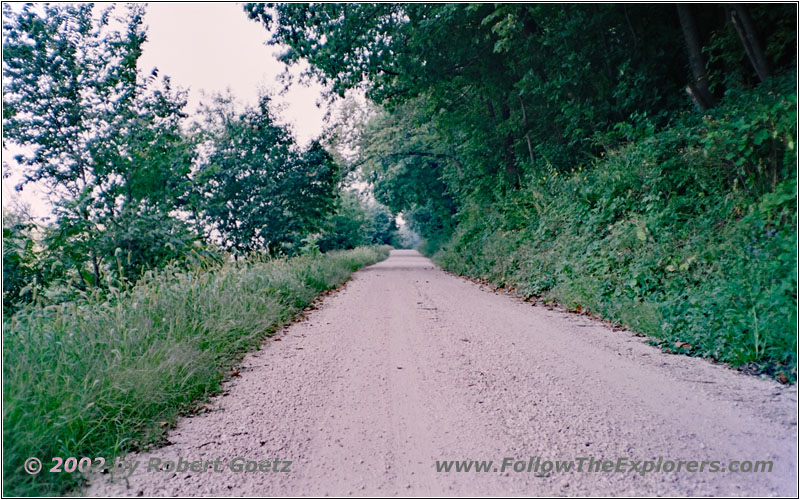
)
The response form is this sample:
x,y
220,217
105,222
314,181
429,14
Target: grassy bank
x,y
687,234
96,379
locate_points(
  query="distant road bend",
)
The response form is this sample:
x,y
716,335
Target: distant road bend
x,y
408,365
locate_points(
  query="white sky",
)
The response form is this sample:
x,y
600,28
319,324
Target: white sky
x,y
208,47
213,46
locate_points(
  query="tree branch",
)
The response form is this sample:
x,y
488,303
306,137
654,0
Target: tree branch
x,y
388,71
452,158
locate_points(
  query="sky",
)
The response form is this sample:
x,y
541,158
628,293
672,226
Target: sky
x,y
213,46
209,47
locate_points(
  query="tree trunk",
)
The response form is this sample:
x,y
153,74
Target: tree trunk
x,y
525,124
698,88
96,269
490,108
633,31
743,23
508,150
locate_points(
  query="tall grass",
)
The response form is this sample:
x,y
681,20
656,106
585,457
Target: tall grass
x,y
94,378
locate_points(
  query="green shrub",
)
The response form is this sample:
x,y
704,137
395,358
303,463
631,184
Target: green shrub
x,y
20,272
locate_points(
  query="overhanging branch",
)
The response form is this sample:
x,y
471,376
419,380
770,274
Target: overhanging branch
x,y
431,155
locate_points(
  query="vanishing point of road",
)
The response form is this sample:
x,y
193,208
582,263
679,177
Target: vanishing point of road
x,y
408,365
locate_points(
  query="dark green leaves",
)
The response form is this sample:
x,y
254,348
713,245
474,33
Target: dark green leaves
x,y
256,188
103,138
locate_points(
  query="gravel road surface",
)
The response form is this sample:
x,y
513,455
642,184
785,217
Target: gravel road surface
x,y
408,365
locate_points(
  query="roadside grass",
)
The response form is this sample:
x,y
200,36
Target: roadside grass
x,y
99,378
688,235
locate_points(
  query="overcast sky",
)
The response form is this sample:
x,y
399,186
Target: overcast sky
x,y
213,46
210,47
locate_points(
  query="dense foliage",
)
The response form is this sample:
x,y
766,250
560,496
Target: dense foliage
x,y
357,223
634,159
136,184
105,140
256,188
673,252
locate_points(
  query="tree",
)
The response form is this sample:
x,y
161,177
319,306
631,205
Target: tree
x,y
357,221
745,28
257,189
349,226
509,93
698,88
384,227
106,141
409,167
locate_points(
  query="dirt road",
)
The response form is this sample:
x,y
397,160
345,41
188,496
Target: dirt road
x,y
408,365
